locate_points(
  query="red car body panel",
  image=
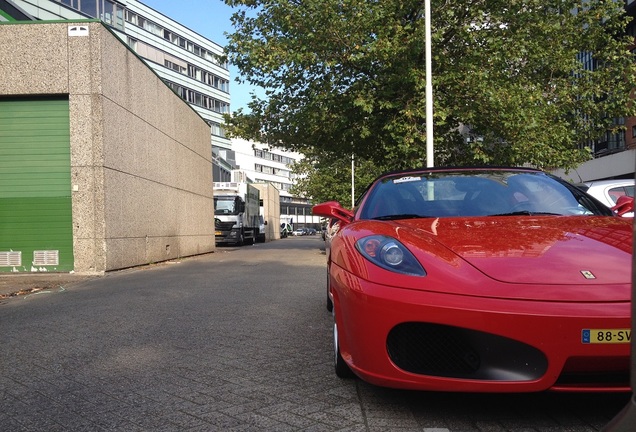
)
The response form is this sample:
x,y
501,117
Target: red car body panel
x,y
534,265
368,311
519,288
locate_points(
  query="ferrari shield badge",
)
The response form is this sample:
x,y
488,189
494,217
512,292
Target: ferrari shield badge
x,y
588,274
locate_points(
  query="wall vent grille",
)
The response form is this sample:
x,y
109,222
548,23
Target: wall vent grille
x,y
46,257
10,259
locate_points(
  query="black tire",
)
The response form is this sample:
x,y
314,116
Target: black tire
x,y
329,302
340,366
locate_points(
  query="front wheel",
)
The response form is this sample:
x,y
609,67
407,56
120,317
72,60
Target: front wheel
x,y
241,239
329,302
341,367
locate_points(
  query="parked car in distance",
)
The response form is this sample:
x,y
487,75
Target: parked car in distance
x,y
608,191
480,280
299,232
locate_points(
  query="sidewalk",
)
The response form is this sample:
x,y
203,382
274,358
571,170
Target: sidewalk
x,y
12,284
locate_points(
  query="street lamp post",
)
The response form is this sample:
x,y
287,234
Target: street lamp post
x,y
353,181
429,86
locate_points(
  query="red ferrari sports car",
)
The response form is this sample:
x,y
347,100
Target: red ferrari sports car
x,y
480,280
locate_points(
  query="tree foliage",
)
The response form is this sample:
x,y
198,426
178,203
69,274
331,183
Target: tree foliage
x,y
324,177
347,77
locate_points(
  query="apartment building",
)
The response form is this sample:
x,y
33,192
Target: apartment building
x,y
264,164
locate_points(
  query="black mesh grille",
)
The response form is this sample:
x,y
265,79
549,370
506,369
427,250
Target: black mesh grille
x,y
432,349
447,351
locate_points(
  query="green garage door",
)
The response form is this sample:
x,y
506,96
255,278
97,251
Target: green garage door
x,y
36,232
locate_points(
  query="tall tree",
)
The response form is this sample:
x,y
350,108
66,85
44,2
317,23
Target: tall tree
x,y
348,77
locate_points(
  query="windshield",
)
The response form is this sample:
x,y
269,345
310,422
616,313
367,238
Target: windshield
x,y
224,205
475,193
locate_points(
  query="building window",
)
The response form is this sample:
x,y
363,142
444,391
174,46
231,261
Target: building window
x,y
264,154
173,66
132,43
217,129
108,11
89,7
113,14
199,99
155,55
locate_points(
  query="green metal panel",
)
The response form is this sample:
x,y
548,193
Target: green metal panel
x,y
35,185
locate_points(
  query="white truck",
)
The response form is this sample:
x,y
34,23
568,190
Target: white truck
x,y
236,213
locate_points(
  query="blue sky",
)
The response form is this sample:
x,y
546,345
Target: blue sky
x,y
209,18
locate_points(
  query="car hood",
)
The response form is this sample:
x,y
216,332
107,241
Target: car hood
x,y
538,250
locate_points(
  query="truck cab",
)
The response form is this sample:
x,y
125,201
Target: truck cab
x,y
236,213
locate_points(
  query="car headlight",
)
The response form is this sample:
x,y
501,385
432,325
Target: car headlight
x,y
389,254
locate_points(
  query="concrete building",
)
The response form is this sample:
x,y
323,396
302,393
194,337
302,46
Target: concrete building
x,y
184,59
270,207
93,147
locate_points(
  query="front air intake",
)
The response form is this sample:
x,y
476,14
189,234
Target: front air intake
x,y
454,352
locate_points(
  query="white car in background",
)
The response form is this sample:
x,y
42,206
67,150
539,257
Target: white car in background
x,y
608,191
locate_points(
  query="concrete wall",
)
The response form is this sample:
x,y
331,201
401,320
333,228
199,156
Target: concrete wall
x,y
618,165
141,162
271,209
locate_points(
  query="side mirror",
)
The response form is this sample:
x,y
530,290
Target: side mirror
x,y
624,204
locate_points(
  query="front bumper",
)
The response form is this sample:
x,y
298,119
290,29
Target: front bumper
x,y
227,236
423,340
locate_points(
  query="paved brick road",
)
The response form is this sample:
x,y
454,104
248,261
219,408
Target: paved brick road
x,y
238,340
